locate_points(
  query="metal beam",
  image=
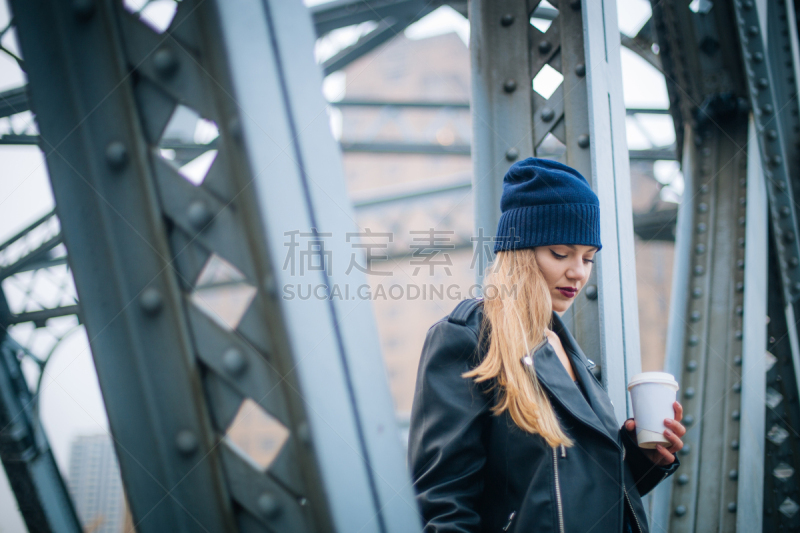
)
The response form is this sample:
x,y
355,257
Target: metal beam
x,y
142,240
586,114
13,101
32,472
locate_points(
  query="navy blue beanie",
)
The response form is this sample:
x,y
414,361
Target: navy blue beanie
x,y
545,202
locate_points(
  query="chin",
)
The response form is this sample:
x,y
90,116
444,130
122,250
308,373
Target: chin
x,y
559,305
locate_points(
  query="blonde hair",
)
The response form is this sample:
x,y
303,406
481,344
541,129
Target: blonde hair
x,y
517,311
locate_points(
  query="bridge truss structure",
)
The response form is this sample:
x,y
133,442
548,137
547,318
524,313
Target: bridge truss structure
x,y
135,248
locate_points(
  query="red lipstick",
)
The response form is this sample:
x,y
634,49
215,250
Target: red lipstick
x,y
568,292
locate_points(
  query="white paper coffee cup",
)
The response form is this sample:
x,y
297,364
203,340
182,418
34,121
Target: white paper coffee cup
x,y
652,394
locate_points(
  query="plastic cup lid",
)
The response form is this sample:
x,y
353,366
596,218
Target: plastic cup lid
x,y
653,377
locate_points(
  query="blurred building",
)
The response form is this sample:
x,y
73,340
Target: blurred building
x,y
95,484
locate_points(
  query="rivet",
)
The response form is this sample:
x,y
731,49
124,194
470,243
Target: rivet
x,y
747,4
700,249
734,444
735,415
737,360
705,170
151,301
767,109
583,141
688,420
699,270
732,507
680,510
763,83
742,201
739,286
739,310
199,215
695,316
788,236
786,211
797,285
83,9
694,340
116,155
740,241
753,31
580,70
683,479
702,207
186,442
772,135
689,393
697,292
701,227
704,188
737,387
575,4
706,151
509,85
740,264
547,114
686,450
758,57
234,362
545,47
776,160
738,334
591,292
512,154
779,186
691,366
742,221
793,262
165,62
507,20
268,505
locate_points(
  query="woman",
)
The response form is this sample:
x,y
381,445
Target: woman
x,y
510,430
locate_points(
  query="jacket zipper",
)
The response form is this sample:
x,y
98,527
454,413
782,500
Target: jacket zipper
x,y
510,518
558,492
638,525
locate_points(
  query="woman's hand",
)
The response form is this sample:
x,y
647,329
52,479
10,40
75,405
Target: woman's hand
x,y
664,456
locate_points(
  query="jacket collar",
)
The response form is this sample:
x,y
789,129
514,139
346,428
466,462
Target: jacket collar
x,y
598,413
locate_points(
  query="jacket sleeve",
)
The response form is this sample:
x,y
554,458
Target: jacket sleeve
x,y
646,473
446,452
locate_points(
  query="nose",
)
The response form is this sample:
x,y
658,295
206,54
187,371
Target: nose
x,y
577,270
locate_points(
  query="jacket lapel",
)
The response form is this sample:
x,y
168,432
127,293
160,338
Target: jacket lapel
x,y
598,398
554,378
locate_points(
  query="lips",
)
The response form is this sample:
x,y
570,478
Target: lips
x,y
568,292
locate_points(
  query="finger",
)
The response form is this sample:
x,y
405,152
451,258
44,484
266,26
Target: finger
x,y
678,411
630,425
678,428
675,442
668,457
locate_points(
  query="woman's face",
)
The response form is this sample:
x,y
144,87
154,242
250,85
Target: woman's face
x,y
566,268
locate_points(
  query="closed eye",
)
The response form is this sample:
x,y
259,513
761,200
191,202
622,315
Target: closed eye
x,y
557,256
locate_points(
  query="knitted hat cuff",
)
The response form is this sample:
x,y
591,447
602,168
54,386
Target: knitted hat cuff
x,y
541,225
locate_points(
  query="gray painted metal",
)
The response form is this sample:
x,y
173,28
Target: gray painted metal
x,y
704,496
33,474
749,513
139,235
343,381
586,114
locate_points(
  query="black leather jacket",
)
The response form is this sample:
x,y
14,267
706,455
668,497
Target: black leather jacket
x,y
474,471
